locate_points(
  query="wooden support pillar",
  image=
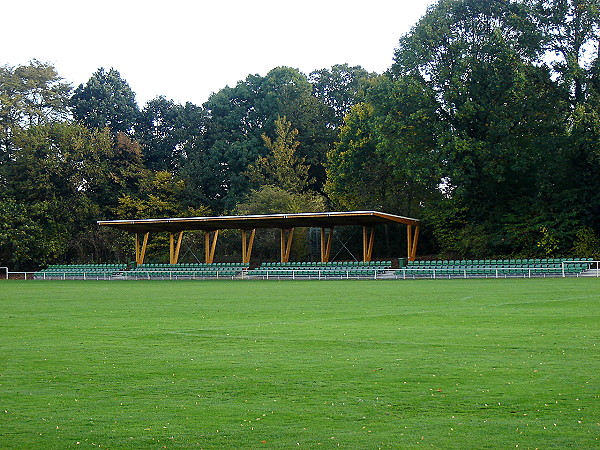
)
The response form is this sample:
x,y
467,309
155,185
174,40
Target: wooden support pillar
x,y
412,241
140,250
247,244
368,241
174,247
286,244
326,244
210,245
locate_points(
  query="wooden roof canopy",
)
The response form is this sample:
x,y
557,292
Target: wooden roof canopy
x,y
285,222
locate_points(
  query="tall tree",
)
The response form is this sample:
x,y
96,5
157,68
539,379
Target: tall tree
x,y
386,156
167,130
570,31
236,119
498,117
281,166
106,100
571,40
33,94
31,234
339,88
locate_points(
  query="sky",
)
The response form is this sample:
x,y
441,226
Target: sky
x,y
188,49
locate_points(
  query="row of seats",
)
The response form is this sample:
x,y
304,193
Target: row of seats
x,y
491,271
86,266
341,269
176,274
186,270
191,265
498,267
333,264
496,262
313,273
96,271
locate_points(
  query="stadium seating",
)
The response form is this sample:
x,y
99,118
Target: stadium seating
x,y
319,270
80,271
186,271
474,268
496,268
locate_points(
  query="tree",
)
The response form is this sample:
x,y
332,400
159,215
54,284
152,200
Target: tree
x,y
167,131
281,167
31,235
158,196
67,161
386,156
58,160
269,199
67,177
30,95
354,170
106,100
237,118
498,114
571,36
339,88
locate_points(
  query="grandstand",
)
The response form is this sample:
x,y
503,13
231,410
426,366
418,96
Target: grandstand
x,y
368,268
434,269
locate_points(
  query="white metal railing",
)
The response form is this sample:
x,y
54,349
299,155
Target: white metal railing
x,y
594,265
338,273
179,274
9,273
66,275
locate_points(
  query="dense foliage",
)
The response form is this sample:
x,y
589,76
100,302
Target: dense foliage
x,y
486,127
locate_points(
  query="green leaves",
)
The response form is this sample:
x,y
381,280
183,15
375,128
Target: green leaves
x,y
281,167
106,100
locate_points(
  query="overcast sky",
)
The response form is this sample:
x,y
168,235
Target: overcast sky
x,y
187,49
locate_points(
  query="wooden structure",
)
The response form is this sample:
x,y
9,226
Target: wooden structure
x,y
249,224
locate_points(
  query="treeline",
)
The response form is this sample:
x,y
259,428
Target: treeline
x,y
486,127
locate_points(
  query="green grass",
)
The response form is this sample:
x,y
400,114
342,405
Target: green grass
x,y
358,364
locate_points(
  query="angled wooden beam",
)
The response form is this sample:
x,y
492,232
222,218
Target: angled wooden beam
x,y
247,244
210,245
326,244
368,241
140,250
408,240
174,247
286,243
171,248
137,248
178,246
413,239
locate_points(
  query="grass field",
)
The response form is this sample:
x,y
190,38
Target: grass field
x,y
253,364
